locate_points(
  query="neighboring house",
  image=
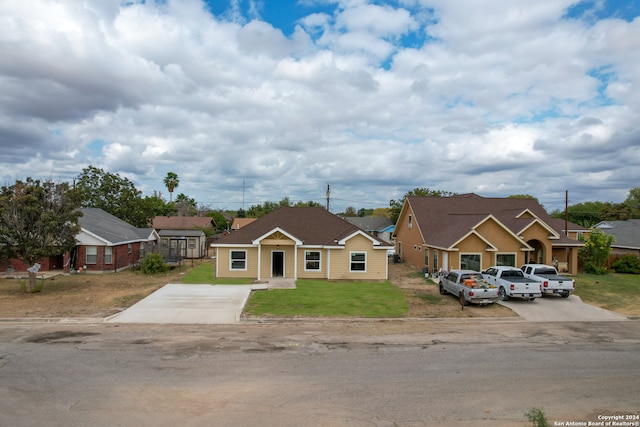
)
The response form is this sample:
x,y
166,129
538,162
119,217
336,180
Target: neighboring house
x,y
105,243
238,223
183,236
626,234
176,244
379,227
108,244
302,242
468,231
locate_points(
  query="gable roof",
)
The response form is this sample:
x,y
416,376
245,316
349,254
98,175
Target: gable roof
x,y
182,222
307,225
627,233
444,221
109,228
241,222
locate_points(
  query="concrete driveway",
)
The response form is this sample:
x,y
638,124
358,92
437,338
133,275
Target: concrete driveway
x,y
188,304
553,308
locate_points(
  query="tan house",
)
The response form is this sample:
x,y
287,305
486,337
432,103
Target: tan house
x,y
302,242
473,232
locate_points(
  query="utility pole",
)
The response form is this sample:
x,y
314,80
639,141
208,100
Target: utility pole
x,y
566,212
328,196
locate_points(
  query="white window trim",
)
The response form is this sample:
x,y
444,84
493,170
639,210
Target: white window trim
x,y
470,253
108,257
246,262
319,261
515,258
359,262
95,254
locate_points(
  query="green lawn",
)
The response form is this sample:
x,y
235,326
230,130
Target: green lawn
x,y
613,291
316,298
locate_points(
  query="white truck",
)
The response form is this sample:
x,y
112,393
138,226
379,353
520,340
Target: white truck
x,y
511,283
552,282
469,286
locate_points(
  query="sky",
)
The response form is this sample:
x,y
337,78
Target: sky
x,y
250,101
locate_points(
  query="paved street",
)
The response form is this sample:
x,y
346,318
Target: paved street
x,y
394,373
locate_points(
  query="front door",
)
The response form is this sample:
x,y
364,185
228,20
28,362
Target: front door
x,y
277,264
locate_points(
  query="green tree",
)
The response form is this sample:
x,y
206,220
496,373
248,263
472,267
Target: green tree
x,y
114,194
186,206
632,202
219,219
395,206
595,252
350,211
171,181
38,219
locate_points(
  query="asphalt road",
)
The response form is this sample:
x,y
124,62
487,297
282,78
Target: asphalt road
x,y
430,373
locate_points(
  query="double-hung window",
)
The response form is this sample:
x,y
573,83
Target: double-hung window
x,y
238,260
92,255
358,262
312,261
108,254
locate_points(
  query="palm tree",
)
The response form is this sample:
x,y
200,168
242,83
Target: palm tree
x,y
171,181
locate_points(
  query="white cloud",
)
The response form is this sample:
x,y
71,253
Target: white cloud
x,y
508,98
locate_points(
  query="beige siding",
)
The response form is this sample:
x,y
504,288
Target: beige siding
x,y
223,266
376,261
322,273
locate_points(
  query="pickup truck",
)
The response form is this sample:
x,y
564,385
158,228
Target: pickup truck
x,y
469,287
552,282
511,283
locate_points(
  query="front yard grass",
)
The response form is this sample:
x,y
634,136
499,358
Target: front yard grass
x,y
612,291
316,298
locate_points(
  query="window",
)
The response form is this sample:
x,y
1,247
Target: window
x,y
143,248
312,261
92,254
470,262
165,242
238,260
108,257
426,257
506,259
435,260
130,247
192,243
358,262
410,221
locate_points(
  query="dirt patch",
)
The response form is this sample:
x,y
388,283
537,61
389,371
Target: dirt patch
x,y
425,301
81,295
100,295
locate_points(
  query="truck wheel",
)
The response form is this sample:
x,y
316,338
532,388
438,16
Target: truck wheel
x,y
565,295
502,294
442,290
463,301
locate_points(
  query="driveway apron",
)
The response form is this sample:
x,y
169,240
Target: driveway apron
x,y
188,304
556,309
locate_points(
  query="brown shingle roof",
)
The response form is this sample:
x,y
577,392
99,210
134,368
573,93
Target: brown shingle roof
x,y
444,220
312,226
181,222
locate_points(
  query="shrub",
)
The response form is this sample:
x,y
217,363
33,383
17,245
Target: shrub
x,y
537,418
627,264
591,268
153,263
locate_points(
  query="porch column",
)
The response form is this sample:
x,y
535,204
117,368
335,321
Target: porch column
x,y
259,259
295,262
